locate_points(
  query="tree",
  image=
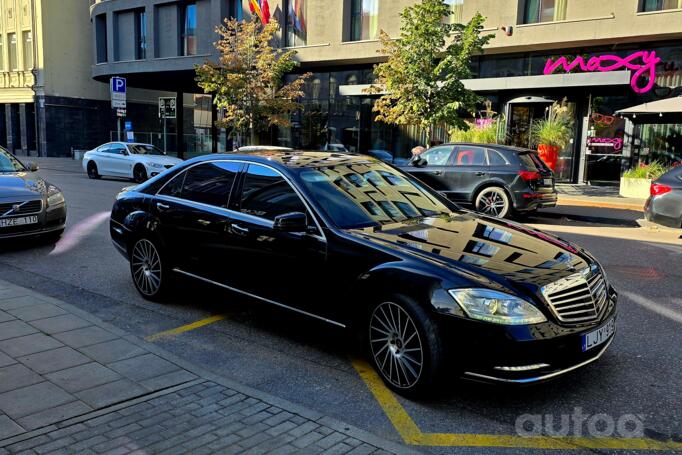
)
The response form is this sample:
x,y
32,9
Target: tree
x,y
422,78
247,81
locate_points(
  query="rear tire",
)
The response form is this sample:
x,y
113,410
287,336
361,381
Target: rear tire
x,y
92,171
149,269
139,174
404,346
493,201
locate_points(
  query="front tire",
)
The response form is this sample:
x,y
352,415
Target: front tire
x,y
493,201
139,174
149,270
405,346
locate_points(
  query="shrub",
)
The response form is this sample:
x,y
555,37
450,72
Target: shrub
x,y
476,134
651,171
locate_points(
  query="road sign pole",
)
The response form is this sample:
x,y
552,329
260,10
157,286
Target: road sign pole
x,y
118,125
165,149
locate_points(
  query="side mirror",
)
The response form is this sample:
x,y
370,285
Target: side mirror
x,y
33,167
291,222
419,162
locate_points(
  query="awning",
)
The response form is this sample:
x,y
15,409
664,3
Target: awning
x,y
666,106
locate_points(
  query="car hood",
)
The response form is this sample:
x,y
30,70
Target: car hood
x,y
163,160
21,186
486,246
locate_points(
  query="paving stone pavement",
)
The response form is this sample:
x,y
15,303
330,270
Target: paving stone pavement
x,y
71,384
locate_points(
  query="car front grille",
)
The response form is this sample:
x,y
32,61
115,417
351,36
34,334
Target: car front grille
x,y
577,298
20,208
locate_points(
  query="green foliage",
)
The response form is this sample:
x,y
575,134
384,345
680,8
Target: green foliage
x,y
247,80
422,76
475,134
555,130
652,171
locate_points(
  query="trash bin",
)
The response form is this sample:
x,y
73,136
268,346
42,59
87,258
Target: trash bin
x,y
78,154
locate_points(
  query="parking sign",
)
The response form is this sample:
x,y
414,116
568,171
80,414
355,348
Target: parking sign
x,y
117,88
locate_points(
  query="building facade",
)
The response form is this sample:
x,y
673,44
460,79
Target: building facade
x,y
616,54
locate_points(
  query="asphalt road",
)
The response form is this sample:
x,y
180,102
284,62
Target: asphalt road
x,y
310,363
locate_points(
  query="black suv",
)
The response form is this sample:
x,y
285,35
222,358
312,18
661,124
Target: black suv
x,y
496,180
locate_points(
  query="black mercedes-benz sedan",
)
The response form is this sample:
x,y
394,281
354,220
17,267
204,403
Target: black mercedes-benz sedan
x,y
28,204
357,243
494,179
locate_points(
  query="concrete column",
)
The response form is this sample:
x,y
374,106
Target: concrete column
x,y
10,127
23,129
180,129
41,126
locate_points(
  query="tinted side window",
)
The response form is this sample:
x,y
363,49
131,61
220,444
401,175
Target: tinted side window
x,y
437,156
174,186
266,194
117,149
103,148
470,156
495,158
210,183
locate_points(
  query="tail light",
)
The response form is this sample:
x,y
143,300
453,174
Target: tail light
x,y
530,175
657,189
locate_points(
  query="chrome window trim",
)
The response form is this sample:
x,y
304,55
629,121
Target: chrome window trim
x,y
258,220
272,302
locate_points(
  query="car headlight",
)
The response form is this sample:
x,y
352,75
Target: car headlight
x,y
497,307
54,197
155,165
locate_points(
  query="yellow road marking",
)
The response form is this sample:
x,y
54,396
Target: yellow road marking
x,y
411,434
186,328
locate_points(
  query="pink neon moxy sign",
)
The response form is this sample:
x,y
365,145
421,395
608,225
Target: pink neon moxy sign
x,y
643,63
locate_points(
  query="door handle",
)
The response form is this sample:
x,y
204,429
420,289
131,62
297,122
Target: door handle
x,y
437,172
162,206
480,174
239,230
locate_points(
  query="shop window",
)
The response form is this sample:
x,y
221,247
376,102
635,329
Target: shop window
x,y
101,38
296,23
236,10
456,11
659,5
189,29
364,20
140,34
12,47
535,11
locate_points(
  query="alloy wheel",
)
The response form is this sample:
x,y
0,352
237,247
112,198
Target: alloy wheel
x,y
139,174
396,345
146,267
492,202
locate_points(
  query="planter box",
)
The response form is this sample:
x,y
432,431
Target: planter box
x,y
635,188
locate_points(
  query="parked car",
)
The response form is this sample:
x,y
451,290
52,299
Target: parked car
x,y
135,161
354,242
664,206
262,148
382,155
335,148
29,205
493,179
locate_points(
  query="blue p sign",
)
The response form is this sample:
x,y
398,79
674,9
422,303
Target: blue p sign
x,y
118,85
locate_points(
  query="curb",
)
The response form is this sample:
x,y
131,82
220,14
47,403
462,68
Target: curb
x,y
204,374
601,204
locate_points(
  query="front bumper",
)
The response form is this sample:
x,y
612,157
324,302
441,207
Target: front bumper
x,y
49,221
522,354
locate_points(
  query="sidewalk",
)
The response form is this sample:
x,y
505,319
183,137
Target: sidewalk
x,y
70,383
597,196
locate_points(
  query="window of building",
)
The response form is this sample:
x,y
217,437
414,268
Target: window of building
x,y
236,10
267,195
28,50
364,18
210,183
456,11
2,55
101,38
659,5
12,48
544,11
189,30
296,23
140,34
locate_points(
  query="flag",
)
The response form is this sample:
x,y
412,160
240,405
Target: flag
x,y
296,16
260,9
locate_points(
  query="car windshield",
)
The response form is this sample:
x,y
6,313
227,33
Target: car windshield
x,y
145,149
364,195
10,164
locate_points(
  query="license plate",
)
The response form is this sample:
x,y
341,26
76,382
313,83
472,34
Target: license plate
x,y
10,222
599,336
547,182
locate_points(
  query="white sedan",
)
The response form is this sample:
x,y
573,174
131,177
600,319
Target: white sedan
x,y
129,160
